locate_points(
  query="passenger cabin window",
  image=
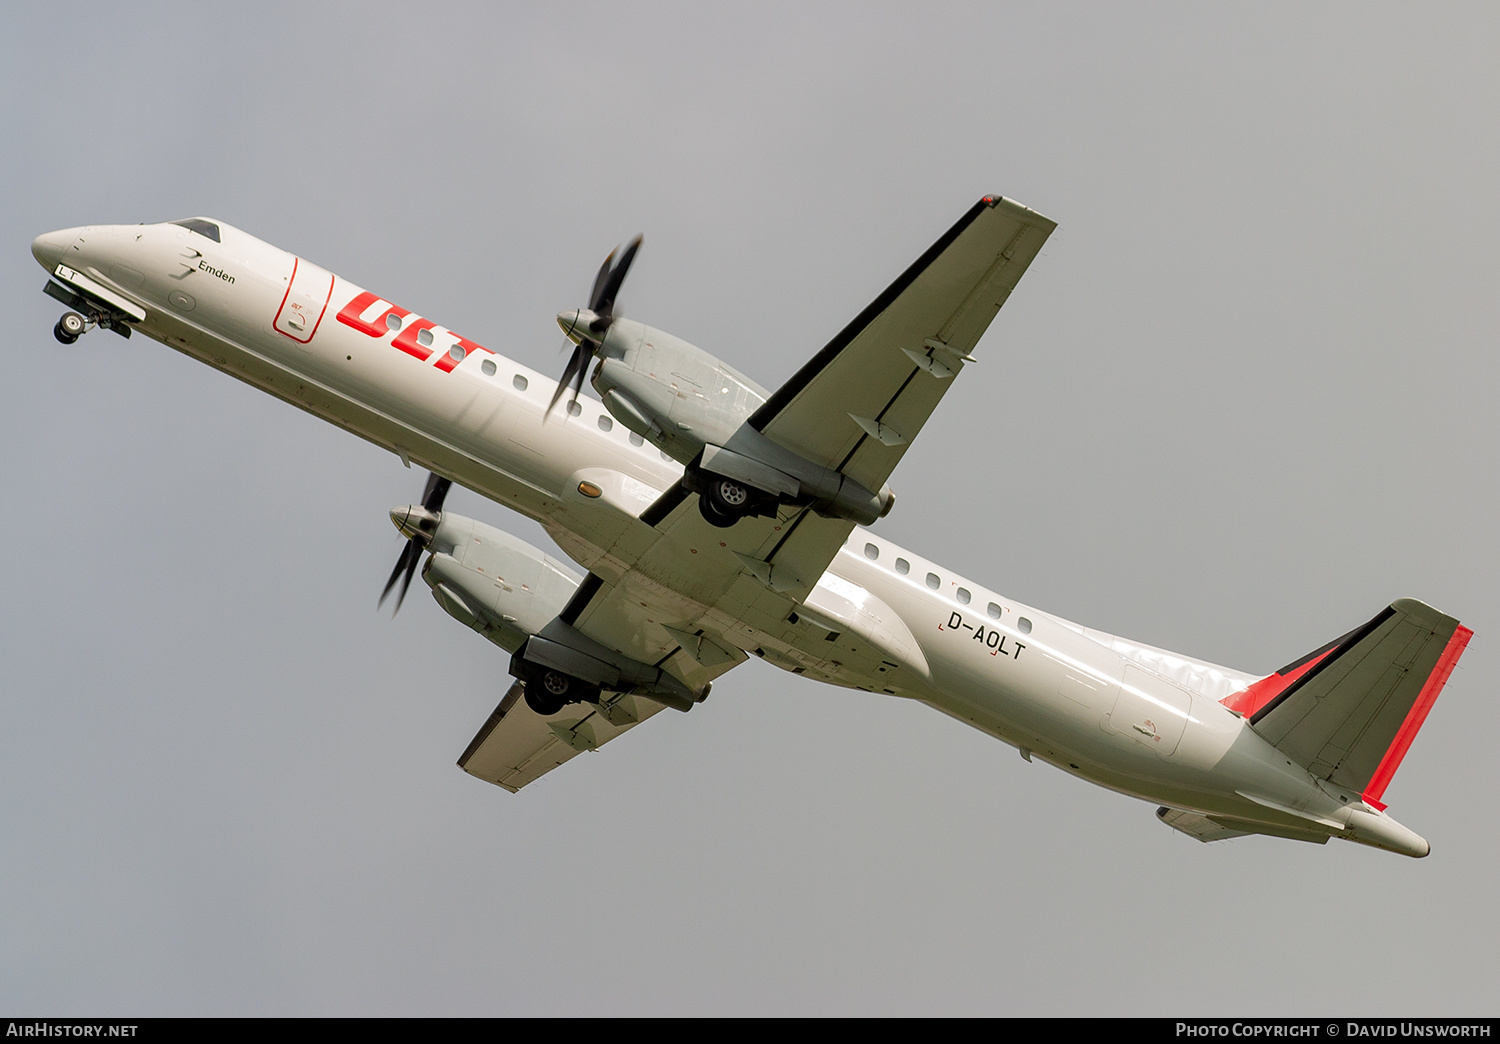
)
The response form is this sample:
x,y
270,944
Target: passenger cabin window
x,y
519,382
963,596
1023,625
392,321
456,353
933,581
872,552
574,409
605,423
204,228
636,440
488,366
903,566
993,610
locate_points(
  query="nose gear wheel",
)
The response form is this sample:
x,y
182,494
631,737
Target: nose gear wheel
x,y
69,327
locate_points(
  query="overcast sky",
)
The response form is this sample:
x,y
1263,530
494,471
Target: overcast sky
x,y
1243,400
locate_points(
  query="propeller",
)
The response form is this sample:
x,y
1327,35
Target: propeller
x,y
419,523
587,327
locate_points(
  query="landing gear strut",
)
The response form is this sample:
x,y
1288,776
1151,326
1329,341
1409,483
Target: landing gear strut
x,y
69,327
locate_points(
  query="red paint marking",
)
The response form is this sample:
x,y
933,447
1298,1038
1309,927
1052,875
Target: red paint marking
x,y
1416,716
1249,700
407,341
276,322
447,362
318,322
351,312
352,315
328,297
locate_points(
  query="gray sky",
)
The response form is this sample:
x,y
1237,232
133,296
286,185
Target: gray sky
x,y
1243,399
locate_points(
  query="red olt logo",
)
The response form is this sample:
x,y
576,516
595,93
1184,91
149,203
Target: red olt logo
x,y
409,339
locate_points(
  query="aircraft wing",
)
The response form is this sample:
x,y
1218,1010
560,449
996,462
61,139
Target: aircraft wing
x,y
859,402
672,591
516,746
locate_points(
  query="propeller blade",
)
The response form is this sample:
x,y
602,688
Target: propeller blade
x,y
411,570
578,364
433,496
607,286
411,554
436,492
602,303
600,280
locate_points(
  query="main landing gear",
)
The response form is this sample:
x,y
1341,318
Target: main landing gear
x,y
70,327
724,502
549,691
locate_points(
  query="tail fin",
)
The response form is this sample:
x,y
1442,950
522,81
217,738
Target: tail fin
x,y
1350,710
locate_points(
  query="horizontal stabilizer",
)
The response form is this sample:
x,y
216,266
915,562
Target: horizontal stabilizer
x,y
1349,711
1221,828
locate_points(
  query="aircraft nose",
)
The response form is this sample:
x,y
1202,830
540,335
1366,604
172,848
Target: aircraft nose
x,y
49,247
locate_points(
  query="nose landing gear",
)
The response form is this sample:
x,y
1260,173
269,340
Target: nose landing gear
x,y
85,313
70,327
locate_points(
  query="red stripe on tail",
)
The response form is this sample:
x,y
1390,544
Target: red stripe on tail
x,y
1415,717
1249,700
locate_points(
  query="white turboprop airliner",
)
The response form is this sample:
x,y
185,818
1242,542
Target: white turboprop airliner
x,y
718,520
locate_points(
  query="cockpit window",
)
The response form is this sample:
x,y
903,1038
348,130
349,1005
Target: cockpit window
x,y
198,225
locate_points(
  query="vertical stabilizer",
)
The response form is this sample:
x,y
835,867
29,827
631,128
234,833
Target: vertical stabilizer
x,y
1349,711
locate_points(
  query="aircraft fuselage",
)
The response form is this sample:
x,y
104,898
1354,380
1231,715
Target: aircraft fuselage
x,y
1125,716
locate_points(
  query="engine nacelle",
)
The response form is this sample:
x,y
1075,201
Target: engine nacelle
x,y
670,392
694,408
513,594
495,583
